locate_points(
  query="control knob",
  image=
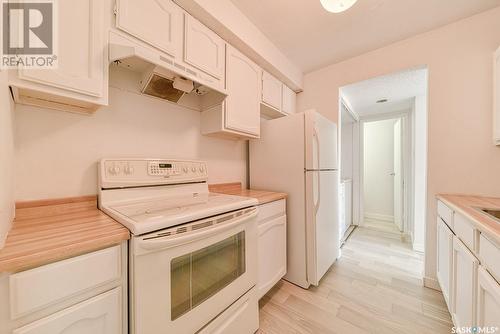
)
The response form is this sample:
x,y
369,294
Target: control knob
x,y
114,170
185,169
129,170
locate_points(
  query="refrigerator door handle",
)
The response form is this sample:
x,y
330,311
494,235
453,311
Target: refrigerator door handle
x,y
316,205
316,139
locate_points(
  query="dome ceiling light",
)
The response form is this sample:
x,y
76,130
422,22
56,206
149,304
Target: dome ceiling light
x,y
337,6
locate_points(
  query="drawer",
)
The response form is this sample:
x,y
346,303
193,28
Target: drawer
x,y
99,315
271,210
36,288
465,231
445,213
489,255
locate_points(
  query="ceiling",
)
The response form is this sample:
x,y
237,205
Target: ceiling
x,y
312,37
398,88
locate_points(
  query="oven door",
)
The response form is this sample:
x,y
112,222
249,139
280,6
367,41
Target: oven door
x,y
183,277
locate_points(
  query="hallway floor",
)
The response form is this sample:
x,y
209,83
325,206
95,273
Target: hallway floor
x,y
375,287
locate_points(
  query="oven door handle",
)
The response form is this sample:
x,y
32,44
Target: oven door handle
x,y
176,240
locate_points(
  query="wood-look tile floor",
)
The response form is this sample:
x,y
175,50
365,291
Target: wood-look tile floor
x,y
375,287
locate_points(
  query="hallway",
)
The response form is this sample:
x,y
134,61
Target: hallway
x,y
375,287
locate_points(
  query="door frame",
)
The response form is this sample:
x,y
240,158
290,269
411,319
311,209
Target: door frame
x,y
408,191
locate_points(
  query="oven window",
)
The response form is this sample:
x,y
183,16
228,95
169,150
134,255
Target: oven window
x,y
197,276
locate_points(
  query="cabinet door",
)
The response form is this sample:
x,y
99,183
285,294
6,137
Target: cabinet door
x,y
203,48
496,97
243,84
156,22
289,100
464,285
98,315
488,300
82,45
271,254
444,258
271,90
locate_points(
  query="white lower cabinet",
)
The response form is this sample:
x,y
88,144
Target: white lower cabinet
x,y
79,295
271,245
98,315
444,258
488,300
464,285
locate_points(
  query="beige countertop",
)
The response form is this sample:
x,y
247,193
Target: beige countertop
x,y
466,205
263,196
52,230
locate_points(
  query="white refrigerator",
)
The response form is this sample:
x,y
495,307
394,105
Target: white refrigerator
x,y
297,154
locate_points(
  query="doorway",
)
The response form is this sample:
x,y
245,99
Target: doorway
x,y
383,174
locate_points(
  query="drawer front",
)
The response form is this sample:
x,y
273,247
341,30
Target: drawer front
x,y
271,210
489,254
465,231
98,315
445,213
36,288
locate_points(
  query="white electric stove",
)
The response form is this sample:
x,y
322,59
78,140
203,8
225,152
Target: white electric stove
x,y
192,253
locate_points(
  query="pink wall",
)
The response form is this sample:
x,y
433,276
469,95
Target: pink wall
x,y
459,56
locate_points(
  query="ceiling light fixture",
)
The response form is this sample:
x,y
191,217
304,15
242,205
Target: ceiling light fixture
x,y
337,6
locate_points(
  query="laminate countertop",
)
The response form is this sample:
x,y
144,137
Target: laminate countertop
x,y
263,196
467,206
52,230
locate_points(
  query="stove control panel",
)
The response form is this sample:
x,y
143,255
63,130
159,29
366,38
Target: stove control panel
x,y
143,172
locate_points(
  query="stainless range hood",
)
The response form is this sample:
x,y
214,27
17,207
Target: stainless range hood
x,y
163,77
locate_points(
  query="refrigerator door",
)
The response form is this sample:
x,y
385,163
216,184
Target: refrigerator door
x,y
322,223
321,142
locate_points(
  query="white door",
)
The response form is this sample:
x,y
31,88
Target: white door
x,y
156,22
203,48
322,223
398,175
243,84
321,142
488,300
82,45
444,258
463,298
98,315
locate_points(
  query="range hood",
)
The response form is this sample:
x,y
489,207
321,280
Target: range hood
x,y
163,77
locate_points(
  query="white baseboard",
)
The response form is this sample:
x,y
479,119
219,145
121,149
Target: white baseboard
x,y
378,216
432,283
419,247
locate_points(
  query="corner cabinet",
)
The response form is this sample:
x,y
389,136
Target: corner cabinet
x,y
239,115
80,82
496,97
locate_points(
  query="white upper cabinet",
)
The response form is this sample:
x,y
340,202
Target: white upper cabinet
x,y
496,97
203,48
81,74
243,83
156,22
289,100
271,91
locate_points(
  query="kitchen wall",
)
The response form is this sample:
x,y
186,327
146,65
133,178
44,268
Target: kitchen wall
x,y
461,156
6,159
56,152
378,146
